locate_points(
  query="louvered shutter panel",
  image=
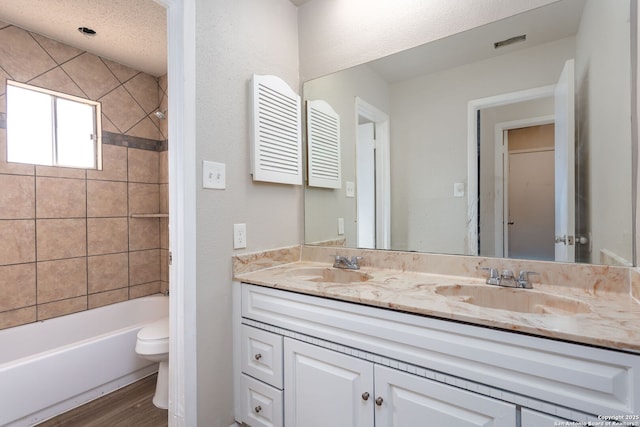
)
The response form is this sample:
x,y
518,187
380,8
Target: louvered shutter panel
x,y
323,146
276,141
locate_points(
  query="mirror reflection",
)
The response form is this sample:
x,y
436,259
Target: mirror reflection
x,y
463,146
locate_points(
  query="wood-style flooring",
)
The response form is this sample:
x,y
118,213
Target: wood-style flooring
x,y
131,406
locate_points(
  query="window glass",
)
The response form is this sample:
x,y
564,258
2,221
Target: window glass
x,y
51,128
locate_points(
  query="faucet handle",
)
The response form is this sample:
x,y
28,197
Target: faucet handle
x,y
523,278
494,277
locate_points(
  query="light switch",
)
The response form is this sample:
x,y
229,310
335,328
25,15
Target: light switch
x,y
458,189
340,226
213,175
351,189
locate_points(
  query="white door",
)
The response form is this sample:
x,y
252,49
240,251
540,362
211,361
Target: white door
x,y
405,400
564,165
366,186
325,388
530,226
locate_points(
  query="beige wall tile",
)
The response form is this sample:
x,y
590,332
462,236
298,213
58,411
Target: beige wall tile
x,y
146,128
60,308
59,81
106,198
164,233
18,239
17,286
164,198
58,51
21,56
163,168
90,73
59,172
144,89
114,164
62,279
164,265
17,197
107,272
107,235
110,297
144,198
144,166
22,316
144,233
121,109
61,238
122,72
144,266
138,291
61,198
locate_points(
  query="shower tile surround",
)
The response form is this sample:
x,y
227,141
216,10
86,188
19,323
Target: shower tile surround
x,y
67,239
404,281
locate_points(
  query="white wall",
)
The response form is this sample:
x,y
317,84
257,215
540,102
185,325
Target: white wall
x,y
337,34
324,206
603,117
235,39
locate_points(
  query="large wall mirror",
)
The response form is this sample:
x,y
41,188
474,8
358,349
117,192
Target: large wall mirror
x,y
509,140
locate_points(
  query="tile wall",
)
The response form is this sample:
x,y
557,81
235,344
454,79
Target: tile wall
x,y
68,241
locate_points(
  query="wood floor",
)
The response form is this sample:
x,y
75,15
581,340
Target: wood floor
x,y
130,406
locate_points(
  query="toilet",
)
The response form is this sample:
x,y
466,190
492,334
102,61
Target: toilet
x,y
153,344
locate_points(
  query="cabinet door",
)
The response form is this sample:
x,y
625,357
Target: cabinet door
x,y
405,400
530,418
325,388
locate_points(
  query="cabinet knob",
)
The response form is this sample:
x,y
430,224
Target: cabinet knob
x,y
257,409
379,401
365,396
257,356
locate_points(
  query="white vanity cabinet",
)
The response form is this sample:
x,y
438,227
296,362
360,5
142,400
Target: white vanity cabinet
x,y
327,388
340,359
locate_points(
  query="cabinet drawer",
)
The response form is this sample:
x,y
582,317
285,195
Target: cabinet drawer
x,y
261,404
262,355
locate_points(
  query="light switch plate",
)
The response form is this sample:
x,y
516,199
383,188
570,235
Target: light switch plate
x,y
351,189
458,189
213,175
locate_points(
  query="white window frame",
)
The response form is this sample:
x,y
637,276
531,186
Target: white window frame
x,y
97,123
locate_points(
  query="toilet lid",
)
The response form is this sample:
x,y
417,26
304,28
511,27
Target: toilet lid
x,y
158,330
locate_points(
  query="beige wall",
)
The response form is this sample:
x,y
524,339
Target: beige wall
x,y
68,242
234,40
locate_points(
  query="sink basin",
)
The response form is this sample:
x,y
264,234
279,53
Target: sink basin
x,y
333,275
518,300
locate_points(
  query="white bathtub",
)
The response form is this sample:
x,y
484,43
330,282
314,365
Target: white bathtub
x,y
49,367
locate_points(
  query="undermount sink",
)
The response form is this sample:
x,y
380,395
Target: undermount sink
x,y
513,299
332,275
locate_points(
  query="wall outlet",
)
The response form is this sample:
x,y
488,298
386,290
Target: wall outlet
x,y
340,226
213,175
239,236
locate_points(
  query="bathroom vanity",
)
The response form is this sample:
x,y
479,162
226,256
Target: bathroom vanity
x,y
322,346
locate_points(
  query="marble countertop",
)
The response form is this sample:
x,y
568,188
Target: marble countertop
x,y
606,319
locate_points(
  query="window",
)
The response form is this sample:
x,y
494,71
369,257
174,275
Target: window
x,y
51,128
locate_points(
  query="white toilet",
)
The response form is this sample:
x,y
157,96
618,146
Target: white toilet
x,y
153,344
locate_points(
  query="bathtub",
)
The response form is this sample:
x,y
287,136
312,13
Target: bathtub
x,y
49,367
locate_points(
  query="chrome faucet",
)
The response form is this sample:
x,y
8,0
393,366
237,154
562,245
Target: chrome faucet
x,y
506,278
344,262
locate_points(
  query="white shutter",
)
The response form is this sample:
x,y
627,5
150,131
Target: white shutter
x,y
276,138
323,128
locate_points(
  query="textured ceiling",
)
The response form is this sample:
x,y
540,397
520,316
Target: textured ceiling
x,y
130,32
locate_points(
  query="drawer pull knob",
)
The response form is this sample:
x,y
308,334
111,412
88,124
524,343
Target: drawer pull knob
x,y
379,401
257,409
258,356
365,396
